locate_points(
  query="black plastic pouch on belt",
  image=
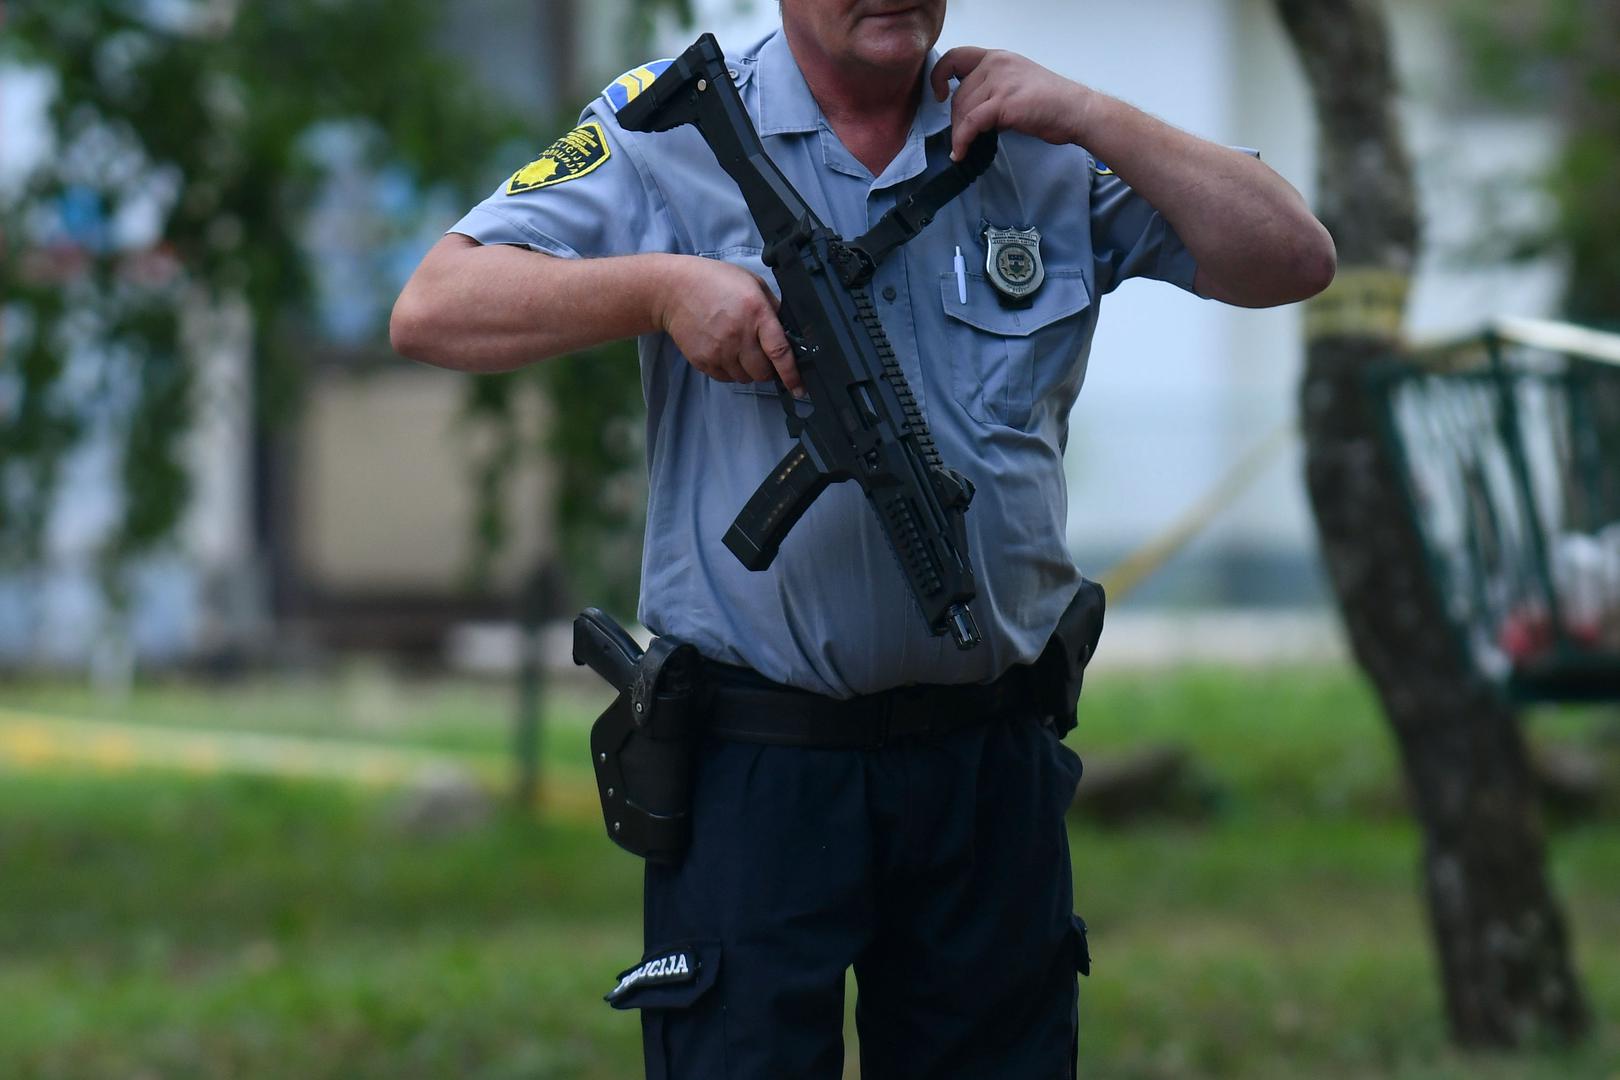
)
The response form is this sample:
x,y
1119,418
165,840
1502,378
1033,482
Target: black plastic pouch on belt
x,y
1062,665
642,746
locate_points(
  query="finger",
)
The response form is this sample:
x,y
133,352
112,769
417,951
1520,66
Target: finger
x,y
972,88
713,371
956,62
753,361
775,301
732,365
970,94
774,343
982,118
753,351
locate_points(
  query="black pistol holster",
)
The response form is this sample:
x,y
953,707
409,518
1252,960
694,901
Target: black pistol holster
x,y
642,745
1061,668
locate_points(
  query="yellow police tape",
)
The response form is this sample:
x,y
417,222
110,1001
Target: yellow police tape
x,y
1122,579
1363,301
37,741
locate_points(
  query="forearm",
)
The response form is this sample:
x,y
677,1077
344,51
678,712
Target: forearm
x,y
1256,242
495,308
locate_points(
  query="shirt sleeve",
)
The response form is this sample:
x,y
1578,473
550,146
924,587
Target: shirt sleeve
x,y
1129,238
588,194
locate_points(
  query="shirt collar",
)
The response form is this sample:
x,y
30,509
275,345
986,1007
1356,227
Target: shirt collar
x,y
785,101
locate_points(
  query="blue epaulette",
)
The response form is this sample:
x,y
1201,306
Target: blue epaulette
x,y
623,90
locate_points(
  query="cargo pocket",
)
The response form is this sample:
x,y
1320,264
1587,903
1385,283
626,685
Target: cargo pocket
x,y
1082,949
1003,358
680,1019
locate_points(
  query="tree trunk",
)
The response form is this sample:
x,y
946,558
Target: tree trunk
x,y
1500,935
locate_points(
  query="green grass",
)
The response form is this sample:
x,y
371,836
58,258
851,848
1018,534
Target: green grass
x,y
169,927
254,928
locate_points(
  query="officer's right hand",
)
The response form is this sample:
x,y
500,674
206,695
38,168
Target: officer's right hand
x,y
723,319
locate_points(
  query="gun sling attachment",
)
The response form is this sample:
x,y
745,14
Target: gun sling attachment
x,y
861,421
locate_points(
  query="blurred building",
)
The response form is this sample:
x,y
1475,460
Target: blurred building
x,y
354,526
351,528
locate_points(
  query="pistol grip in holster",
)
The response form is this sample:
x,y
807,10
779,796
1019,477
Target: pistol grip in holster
x,y
1061,669
642,745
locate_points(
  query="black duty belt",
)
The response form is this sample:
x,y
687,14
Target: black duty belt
x,y
744,706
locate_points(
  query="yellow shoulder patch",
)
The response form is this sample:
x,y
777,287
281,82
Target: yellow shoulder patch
x,y
570,157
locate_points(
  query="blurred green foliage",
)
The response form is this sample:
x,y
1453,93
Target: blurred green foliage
x,y
1563,56
206,113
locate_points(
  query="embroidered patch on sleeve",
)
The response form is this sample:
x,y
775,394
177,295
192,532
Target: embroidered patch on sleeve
x,y
570,157
623,90
1100,169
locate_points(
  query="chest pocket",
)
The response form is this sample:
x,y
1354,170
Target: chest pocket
x,y
1003,359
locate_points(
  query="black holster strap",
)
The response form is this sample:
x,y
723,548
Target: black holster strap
x,y
746,707
661,691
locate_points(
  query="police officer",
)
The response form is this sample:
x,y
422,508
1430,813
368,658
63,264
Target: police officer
x,y
931,858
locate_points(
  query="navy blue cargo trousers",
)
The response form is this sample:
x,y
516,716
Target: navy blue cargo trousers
x,y
936,866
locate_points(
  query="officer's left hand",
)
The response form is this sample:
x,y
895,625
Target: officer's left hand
x,y
1003,91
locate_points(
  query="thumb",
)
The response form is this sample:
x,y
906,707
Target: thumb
x,y
971,126
956,63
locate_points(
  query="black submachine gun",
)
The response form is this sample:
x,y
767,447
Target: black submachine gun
x,y
861,421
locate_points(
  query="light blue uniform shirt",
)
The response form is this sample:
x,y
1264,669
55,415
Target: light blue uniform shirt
x,y
833,613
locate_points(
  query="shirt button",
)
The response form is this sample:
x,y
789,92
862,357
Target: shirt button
x,y
889,294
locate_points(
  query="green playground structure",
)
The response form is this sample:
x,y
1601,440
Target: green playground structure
x,y
1508,448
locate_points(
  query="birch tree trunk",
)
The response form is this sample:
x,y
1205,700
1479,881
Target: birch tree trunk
x,y
1499,933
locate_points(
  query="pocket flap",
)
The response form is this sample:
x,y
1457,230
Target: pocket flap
x,y
1062,294
672,977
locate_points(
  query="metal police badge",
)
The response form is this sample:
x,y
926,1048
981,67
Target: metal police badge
x,y
1012,261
